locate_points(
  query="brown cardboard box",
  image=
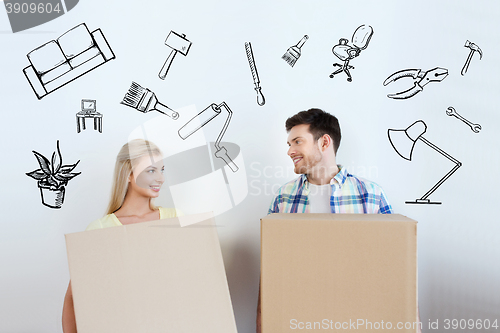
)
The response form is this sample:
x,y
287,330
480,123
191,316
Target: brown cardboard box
x,y
338,272
150,277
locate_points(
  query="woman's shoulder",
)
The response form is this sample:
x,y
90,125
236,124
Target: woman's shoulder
x,y
104,222
166,213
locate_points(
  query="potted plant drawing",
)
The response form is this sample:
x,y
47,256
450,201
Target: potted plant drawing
x,y
52,178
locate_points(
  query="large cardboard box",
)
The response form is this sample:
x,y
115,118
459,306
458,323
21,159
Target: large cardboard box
x,y
338,272
150,277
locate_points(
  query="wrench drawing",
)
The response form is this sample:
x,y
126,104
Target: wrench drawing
x,y
474,127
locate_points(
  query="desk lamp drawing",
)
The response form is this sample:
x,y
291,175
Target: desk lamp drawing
x,y
346,53
88,111
403,142
204,117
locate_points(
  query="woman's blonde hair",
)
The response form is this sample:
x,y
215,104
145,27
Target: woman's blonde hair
x,y
127,158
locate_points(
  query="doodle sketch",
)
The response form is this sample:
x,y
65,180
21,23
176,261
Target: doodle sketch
x,y
57,63
346,53
52,178
88,111
293,53
403,141
452,112
144,100
179,44
251,61
203,118
420,79
473,48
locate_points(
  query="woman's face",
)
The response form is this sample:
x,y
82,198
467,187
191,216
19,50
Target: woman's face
x,y
147,176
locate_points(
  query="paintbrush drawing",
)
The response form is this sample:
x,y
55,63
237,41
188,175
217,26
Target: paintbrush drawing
x,y
144,100
251,61
293,53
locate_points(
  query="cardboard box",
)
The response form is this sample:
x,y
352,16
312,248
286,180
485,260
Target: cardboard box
x,y
338,272
150,277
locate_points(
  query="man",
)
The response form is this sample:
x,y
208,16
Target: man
x,y
323,187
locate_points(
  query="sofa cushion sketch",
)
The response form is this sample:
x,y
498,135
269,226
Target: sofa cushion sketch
x,y
58,62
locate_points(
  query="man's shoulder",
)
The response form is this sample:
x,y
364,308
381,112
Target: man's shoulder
x,y
373,195
364,184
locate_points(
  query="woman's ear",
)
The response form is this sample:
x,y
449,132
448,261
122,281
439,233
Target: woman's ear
x,y
129,179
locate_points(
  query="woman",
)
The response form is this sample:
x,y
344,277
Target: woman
x,y
137,181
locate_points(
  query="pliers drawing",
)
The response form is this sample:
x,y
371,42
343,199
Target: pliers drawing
x,y
420,78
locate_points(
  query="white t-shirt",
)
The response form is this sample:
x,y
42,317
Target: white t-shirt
x,y
319,198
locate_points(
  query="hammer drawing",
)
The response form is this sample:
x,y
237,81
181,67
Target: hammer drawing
x,y
178,43
473,47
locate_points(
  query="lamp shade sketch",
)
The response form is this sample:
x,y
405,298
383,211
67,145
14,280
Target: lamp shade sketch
x,y
179,44
203,118
403,141
59,62
89,110
144,100
52,178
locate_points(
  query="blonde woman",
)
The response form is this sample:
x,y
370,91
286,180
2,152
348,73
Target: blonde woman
x,y
137,180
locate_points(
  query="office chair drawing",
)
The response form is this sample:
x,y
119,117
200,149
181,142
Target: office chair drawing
x,y
346,53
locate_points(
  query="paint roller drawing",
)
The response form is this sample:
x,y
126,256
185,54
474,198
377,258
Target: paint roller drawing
x,y
203,118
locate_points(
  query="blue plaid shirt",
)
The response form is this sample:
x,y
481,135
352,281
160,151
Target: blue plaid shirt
x,y
350,194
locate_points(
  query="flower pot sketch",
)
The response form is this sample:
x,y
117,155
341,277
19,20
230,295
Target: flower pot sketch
x,y
52,198
52,178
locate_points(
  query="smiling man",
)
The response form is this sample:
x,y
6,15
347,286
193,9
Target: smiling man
x,y
323,187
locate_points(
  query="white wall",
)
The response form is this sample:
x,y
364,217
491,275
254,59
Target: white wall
x,y
458,240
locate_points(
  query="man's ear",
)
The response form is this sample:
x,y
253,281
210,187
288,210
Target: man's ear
x,y
325,142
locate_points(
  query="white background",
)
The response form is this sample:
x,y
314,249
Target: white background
x,y
458,241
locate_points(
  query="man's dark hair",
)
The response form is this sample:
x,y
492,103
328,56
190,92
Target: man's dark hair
x,y
320,123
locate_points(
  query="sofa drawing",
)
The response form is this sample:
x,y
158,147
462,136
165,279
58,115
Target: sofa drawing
x,y
58,62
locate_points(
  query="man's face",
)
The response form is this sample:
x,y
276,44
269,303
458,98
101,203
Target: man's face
x,y
303,150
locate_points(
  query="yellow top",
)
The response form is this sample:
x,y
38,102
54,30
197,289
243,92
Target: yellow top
x,y
111,220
